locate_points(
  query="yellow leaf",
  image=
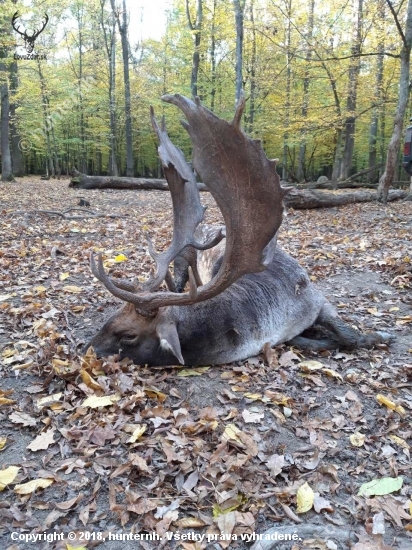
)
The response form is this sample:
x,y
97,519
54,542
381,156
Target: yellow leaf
x,y
333,374
31,486
104,401
64,276
7,476
401,442
155,394
5,401
390,404
88,380
71,547
253,396
3,441
120,258
138,432
72,289
305,498
310,366
231,433
357,439
195,371
39,289
48,400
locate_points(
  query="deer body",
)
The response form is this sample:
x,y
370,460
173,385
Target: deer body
x,y
257,293
273,306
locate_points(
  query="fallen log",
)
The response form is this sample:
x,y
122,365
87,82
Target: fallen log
x,y
308,199
81,181
297,198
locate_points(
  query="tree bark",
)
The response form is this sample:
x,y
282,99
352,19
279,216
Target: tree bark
x,y
48,122
196,29
296,198
393,147
81,181
123,29
373,132
288,88
17,159
354,68
6,169
300,173
239,16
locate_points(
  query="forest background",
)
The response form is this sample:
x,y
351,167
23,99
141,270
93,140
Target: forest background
x,y
323,80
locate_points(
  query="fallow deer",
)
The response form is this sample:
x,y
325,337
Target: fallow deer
x,y
257,292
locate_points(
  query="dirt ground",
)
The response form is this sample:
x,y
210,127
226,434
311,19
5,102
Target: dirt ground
x,y
218,449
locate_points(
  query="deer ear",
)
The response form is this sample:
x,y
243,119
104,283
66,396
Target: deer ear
x,y
169,339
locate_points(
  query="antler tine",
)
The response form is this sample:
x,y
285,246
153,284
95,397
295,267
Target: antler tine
x,y
246,187
187,209
36,33
120,284
14,19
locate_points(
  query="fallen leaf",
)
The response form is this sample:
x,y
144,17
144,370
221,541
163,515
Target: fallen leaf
x,y
305,498
7,476
390,404
33,485
275,464
22,418
357,439
73,289
42,441
137,433
383,486
103,401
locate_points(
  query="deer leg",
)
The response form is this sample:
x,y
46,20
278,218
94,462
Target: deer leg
x,y
311,344
346,336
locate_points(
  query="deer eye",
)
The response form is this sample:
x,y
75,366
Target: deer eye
x,y
128,338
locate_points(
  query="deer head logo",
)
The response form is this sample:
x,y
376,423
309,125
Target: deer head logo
x,y
28,40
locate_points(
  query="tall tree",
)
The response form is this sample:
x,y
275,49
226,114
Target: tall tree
x,y
6,165
239,20
300,173
108,24
377,110
123,30
196,28
404,82
288,41
16,154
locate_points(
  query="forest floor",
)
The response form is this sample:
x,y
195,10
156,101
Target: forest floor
x,y
230,449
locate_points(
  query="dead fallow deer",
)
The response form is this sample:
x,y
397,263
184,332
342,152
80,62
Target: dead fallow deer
x,y
257,292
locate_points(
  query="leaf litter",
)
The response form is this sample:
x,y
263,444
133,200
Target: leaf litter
x,y
285,438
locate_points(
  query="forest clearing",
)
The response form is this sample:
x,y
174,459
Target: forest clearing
x,y
205,323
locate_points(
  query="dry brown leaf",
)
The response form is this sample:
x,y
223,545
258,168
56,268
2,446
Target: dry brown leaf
x,y
42,441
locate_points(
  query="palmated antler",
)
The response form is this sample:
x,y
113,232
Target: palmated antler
x,y
187,209
246,187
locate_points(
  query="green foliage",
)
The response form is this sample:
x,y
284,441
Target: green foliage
x,y
164,66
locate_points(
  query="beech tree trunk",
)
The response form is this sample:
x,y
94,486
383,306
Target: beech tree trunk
x,y
354,68
300,173
6,169
16,154
123,29
196,29
239,16
393,147
297,198
373,132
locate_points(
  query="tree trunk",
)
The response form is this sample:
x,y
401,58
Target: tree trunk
x,y
6,169
239,16
354,68
16,154
299,199
300,173
48,122
196,29
213,57
81,181
252,73
309,199
288,88
123,29
373,132
393,147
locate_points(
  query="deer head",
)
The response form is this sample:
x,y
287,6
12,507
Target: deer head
x,y
246,187
28,40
